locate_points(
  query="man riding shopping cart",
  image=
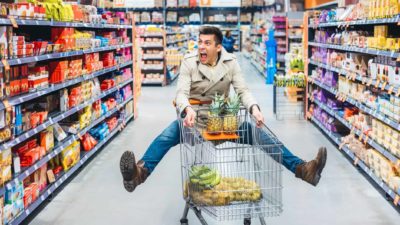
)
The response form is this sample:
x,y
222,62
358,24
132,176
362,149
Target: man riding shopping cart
x,y
209,71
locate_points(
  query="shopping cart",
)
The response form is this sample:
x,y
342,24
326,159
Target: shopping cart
x,y
230,173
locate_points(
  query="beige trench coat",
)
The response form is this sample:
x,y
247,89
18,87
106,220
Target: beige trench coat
x,y
201,82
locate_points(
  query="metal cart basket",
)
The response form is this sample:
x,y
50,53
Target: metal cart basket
x,y
233,172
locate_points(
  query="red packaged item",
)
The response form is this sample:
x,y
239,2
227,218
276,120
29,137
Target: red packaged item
x,y
58,71
112,123
29,157
88,142
107,84
28,197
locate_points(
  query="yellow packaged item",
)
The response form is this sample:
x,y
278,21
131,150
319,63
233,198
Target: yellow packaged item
x,y
70,155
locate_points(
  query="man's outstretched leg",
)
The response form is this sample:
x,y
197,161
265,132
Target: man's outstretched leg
x,y
307,171
136,173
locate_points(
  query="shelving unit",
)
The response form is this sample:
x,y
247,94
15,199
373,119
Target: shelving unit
x,y
153,65
124,110
281,33
365,81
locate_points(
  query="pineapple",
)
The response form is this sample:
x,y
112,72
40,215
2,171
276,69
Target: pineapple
x,y
214,123
231,118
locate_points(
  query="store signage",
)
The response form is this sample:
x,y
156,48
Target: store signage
x,y
139,3
219,3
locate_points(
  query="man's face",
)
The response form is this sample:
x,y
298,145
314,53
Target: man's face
x,y
208,49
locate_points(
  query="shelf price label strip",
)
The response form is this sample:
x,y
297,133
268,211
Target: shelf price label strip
x,y
29,96
360,163
31,59
63,178
366,109
366,139
58,118
349,74
356,49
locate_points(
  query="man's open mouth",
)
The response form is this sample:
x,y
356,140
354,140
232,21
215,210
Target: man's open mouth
x,y
203,56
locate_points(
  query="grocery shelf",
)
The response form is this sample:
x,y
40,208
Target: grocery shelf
x,y
357,22
177,41
152,46
59,55
174,33
258,67
181,24
296,37
359,105
222,23
60,147
62,178
152,35
343,72
37,93
152,58
59,117
336,139
369,51
150,82
370,141
28,22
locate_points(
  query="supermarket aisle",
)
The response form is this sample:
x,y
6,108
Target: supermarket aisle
x,y
96,196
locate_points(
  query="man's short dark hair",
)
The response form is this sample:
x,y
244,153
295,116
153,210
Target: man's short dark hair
x,y
213,30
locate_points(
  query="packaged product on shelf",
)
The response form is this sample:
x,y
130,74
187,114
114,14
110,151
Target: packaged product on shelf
x,y
7,214
38,77
58,71
183,3
112,123
100,132
59,133
88,142
96,107
47,139
107,84
70,155
85,116
1,210
6,157
14,192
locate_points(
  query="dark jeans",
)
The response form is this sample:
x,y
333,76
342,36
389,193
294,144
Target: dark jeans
x,y
170,137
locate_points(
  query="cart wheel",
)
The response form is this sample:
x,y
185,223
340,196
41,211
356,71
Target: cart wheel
x,y
247,221
184,222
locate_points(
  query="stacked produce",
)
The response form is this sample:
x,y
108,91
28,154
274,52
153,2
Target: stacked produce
x,y
207,187
295,80
223,115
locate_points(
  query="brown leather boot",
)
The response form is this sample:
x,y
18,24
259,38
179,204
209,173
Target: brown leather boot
x,y
132,173
311,171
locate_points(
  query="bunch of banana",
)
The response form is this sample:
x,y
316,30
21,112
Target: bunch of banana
x,y
202,177
227,191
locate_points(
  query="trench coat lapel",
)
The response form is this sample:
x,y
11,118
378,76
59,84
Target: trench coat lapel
x,y
204,70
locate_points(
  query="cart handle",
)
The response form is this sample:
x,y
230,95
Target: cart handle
x,y
193,101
